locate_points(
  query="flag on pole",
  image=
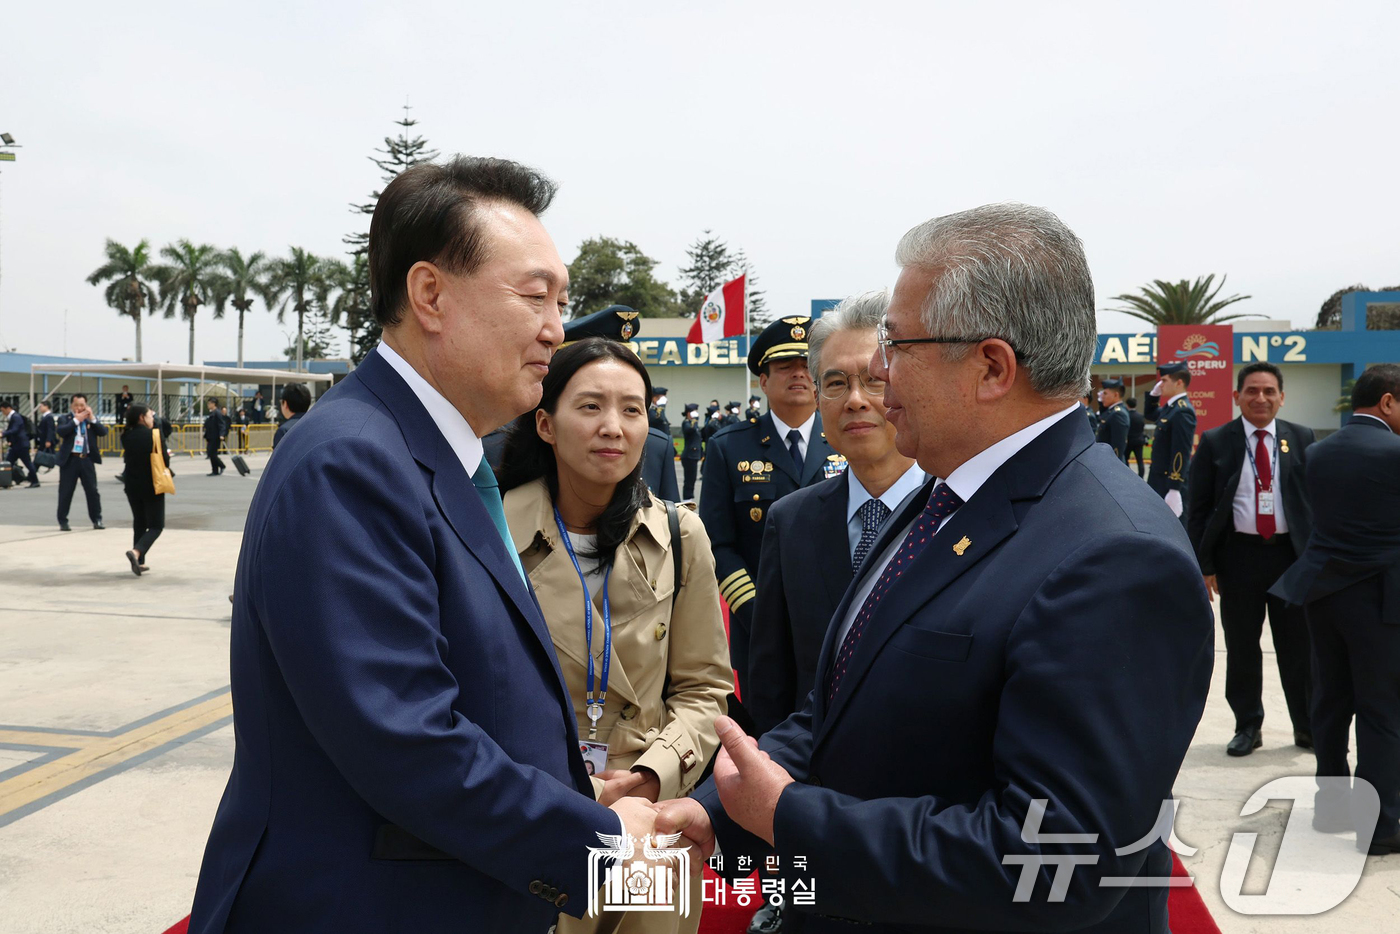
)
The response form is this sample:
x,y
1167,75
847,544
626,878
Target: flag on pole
x,y
723,313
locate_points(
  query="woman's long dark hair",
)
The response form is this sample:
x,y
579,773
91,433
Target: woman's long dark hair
x,y
134,413
529,457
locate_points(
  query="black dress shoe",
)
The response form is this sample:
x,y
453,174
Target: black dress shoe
x,y
98,525
64,526
1384,846
767,920
1244,743
34,485
1302,740
212,473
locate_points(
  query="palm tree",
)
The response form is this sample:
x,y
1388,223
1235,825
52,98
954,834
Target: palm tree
x,y
351,307
1180,302
189,279
243,278
299,283
129,288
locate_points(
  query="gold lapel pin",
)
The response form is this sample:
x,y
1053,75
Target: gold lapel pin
x,y
961,546
1283,445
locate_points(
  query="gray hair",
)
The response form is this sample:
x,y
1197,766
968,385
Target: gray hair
x,y
1015,272
861,312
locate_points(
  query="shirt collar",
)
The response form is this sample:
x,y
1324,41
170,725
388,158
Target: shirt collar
x,y
1180,395
1381,420
1270,429
783,428
857,495
453,425
968,478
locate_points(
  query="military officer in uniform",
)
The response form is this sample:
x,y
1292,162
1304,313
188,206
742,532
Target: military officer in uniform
x,y
754,411
656,412
751,465
619,323
1176,434
1113,422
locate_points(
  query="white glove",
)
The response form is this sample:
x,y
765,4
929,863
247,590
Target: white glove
x,y
1173,499
1156,390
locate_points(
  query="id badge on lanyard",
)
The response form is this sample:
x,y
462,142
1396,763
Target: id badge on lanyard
x,y
80,443
594,753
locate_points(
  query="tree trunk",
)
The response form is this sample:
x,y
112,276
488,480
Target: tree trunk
x,y
137,318
191,340
301,315
240,338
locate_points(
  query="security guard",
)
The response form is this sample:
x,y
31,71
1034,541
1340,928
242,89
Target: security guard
x,y
751,465
1174,438
656,412
1113,423
754,411
619,323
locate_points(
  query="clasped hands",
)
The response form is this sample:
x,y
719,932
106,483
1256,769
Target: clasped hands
x,y
749,783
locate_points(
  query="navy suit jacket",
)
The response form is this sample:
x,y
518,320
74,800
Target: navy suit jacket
x,y
803,571
14,431
1353,479
1038,663
67,430
47,433
659,465
406,755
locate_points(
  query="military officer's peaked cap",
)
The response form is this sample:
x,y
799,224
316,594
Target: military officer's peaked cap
x,y
784,338
659,390
1114,384
616,322
1171,369
691,407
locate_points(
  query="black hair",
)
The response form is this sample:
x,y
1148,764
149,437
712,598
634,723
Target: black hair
x,y
213,402
1374,383
134,413
77,395
1132,403
1259,366
529,457
297,397
429,214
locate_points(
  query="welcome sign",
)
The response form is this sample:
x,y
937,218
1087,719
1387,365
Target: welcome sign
x,y
1208,350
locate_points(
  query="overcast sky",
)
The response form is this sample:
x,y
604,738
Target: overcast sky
x,y
1254,140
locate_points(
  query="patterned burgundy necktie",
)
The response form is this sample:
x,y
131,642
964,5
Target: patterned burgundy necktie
x,y
1263,524
941,504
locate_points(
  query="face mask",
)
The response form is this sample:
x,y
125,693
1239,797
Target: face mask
x,y
661,400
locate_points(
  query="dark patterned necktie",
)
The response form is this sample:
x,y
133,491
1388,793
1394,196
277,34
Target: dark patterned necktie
x,y
873,514
943,503
795,449
1264,470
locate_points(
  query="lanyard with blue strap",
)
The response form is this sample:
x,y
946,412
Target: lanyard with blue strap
x,y
594,708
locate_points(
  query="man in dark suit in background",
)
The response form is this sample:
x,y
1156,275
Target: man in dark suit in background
x,y
977,690
123,400
78,455
406,754
814,538
295,401
17,440
692,449
46,439
1137,427
214,432
1348,581
1248,518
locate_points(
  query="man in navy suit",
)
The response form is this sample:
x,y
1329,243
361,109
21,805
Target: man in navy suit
x,y
1348,583
16,436
815,537
980,702
78,457
406,754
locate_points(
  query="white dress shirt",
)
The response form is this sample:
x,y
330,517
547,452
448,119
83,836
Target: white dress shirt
x,y
965,481
452,423
805,429
1244,504
894,498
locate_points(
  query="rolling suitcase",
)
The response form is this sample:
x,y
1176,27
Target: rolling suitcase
x,y
240,465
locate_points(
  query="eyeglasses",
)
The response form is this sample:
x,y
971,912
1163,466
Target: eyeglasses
x,y
883,340
836,385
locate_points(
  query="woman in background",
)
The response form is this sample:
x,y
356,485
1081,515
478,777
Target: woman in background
x,y
147,506
645,659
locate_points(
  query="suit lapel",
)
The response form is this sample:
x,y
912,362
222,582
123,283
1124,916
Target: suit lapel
x,y
834,543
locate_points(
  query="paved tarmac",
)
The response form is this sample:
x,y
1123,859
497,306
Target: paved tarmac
x,y
115,738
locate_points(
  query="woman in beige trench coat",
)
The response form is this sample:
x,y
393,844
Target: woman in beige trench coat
x,y
575,461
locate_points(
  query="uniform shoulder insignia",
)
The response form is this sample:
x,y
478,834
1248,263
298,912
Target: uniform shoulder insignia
x,y
753,421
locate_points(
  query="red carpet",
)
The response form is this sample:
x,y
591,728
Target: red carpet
x,y
1186,912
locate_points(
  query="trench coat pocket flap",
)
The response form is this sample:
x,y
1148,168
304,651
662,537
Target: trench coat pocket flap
x,y
393,842
927,643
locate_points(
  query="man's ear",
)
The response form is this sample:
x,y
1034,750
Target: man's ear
x,y
424,286
998,369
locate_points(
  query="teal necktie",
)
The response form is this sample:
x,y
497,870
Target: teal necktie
x,y
490,493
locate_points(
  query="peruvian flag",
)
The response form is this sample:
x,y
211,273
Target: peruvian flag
x,y
723,313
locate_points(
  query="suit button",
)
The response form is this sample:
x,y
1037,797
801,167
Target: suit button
x,y
536,887
561,901
755,496
629,712
550,892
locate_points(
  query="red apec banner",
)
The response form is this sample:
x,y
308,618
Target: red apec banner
x,y
1209,351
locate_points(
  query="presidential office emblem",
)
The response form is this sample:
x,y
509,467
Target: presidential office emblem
x,y
622,879
712,312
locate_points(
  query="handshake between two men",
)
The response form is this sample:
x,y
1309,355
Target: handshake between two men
x,y
748,781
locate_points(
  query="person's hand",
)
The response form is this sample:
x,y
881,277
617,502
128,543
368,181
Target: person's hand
x,y
1173,499
617,784
1156,390
748,780
1212,589
638,816
687,816
650,786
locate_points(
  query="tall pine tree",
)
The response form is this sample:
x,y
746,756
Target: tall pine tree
x,y
398,153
